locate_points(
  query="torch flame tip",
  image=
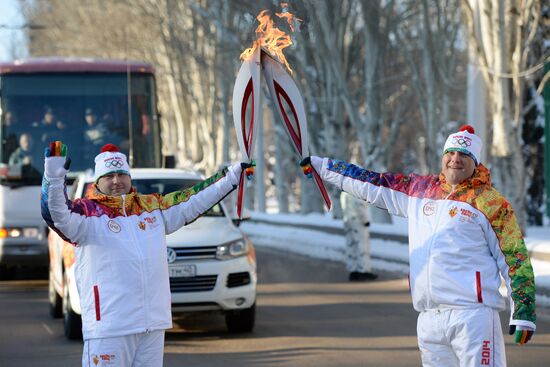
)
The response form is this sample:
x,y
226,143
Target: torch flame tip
x,y
270,39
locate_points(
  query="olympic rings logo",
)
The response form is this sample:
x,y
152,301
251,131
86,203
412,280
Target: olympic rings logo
x,y
115,163
462,142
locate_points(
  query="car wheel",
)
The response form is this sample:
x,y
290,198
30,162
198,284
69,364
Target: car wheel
x,y
72,321
56,302
241,321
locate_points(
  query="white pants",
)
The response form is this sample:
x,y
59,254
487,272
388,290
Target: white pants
x,y
461,337
135,350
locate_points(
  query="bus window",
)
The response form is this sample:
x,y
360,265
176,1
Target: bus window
x,y
85,111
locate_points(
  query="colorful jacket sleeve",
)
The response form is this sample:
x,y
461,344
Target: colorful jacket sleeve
x,y
61,214
385,190
508,247
183,207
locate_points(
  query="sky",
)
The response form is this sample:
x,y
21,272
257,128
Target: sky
x,y
11,40
387,255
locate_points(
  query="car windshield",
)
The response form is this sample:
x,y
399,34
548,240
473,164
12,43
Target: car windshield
x,y
166,186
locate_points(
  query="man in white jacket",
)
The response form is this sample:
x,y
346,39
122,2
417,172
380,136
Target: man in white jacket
x,y
463,237
120,249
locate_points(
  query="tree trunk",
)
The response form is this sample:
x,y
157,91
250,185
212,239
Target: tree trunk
x,y
356,224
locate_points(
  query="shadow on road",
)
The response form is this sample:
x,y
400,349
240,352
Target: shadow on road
x,y
23,273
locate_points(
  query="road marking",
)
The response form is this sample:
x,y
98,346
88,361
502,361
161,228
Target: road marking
x,y
47,329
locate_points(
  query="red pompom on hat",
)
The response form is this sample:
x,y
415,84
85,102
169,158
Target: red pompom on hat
x,y
109,148
468,128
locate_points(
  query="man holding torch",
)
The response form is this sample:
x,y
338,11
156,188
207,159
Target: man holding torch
x,y
120,248
463,237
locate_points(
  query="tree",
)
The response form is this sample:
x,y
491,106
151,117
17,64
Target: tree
x,y
503,42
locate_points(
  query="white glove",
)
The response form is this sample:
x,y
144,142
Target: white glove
x,y
235,170
54,167
317,163
234,173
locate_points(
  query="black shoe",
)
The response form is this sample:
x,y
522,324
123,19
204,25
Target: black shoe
x,y
356,276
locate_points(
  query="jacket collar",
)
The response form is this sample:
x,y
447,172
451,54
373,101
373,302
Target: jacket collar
x,y
94,194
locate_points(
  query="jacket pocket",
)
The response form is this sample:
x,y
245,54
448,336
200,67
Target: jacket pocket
x,y
478,287
96,302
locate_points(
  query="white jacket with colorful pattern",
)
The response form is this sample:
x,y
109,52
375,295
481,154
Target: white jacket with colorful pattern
x,y
460,242
121,269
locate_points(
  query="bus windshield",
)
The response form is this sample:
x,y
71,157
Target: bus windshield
x,y
83,110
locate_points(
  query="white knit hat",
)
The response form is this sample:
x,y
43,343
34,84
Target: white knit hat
x,y
110,160
465,141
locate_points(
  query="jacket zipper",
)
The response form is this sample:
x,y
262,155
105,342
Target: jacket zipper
x,y
429,283
124,205
142,273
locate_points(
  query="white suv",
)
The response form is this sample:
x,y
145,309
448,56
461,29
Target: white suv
x,y
212,265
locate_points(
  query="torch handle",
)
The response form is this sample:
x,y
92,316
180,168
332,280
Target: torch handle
x,y
240,196
322,189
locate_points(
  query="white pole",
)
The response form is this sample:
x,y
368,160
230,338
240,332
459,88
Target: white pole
x,y
476,90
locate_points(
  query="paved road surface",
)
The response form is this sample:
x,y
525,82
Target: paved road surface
x,y
308,315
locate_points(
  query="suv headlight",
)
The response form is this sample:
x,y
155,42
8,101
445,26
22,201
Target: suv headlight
x,y
232,250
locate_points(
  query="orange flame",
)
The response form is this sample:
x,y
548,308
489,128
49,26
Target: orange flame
x,y
270,38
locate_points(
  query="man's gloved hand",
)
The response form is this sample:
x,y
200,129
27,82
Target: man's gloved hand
x,y
248,169
306,167
310,163
56,162
236,169
522,333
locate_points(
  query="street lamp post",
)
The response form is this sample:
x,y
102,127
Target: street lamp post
x,y
546,96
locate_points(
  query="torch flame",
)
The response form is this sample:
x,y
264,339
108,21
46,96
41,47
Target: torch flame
x,y
270,38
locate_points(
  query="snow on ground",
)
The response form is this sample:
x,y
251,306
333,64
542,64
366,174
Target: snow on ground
x,y
386,255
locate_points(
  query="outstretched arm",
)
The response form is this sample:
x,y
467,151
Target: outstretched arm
x,y
55,205
182,207
385,190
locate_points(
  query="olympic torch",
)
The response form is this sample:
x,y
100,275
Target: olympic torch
x,y
246,97
284,91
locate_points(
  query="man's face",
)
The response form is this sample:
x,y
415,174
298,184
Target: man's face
x,y
25,142
49,117
8,118
90,119
115,184
457,167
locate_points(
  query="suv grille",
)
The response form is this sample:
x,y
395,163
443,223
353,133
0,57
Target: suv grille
x,y
200,283
238,279
195,253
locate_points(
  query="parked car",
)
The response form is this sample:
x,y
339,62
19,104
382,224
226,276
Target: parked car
x,y
22,231
212,265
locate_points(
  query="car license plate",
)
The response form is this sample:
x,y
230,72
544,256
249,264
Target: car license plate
x,y
182,271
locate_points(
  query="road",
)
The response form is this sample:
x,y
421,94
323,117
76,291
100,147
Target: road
x,y
308,315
